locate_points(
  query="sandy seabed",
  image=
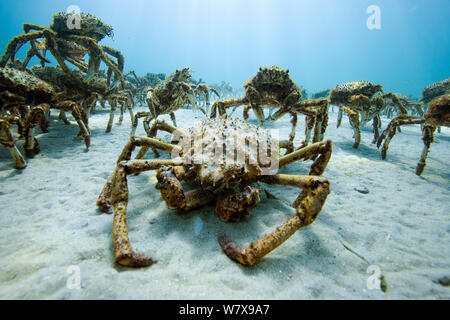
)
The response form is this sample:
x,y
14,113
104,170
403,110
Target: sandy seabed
x,y
49,222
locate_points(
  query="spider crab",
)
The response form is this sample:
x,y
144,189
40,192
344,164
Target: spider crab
x,y
170,95
25,101
67,44
438,114
85,94
218,177
435,90
274,87
141,84
365,98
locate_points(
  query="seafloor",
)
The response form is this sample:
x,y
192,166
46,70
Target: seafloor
x,y
49,221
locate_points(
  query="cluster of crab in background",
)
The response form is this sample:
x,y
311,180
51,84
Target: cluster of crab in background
x,y
28,94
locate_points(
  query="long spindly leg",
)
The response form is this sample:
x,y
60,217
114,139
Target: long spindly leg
x,y
173,118
130,110
116,54
16,43
294,120
152,132
324,125
339,118
398,104
318,109
27,27
308,206
50,37
218,97
202,88
222,105
113,105
321,149
310,122
428,138
123,253
96,50
137,116
259,113
63,118
171,191
33,51
391,130
376,128
104,199
353,117
76,112
7,140
122,106
35,116
277,115
245,111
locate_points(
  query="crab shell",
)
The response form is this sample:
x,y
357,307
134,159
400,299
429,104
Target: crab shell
x,y
230,151
30,88
90,26
440,109
436,90
273,79
342,93
171,95
60,81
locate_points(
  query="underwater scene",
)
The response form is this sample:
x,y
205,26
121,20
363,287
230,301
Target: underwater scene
x,y
226,149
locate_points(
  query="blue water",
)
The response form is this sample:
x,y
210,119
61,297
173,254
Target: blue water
x,y
322,42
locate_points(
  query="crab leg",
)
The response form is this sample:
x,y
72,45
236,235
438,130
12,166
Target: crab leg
x,y
63,118
36,115
222,105
339,118
95,49
353,117
323,149
171,191
174,120
123,253
259,112
113,104
137,116
7,140
116,54
391,130
30,54
245,113
376,128
316,108
16,43
428,130
152,132
400,108
308,206
73,108
104,199
122,106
